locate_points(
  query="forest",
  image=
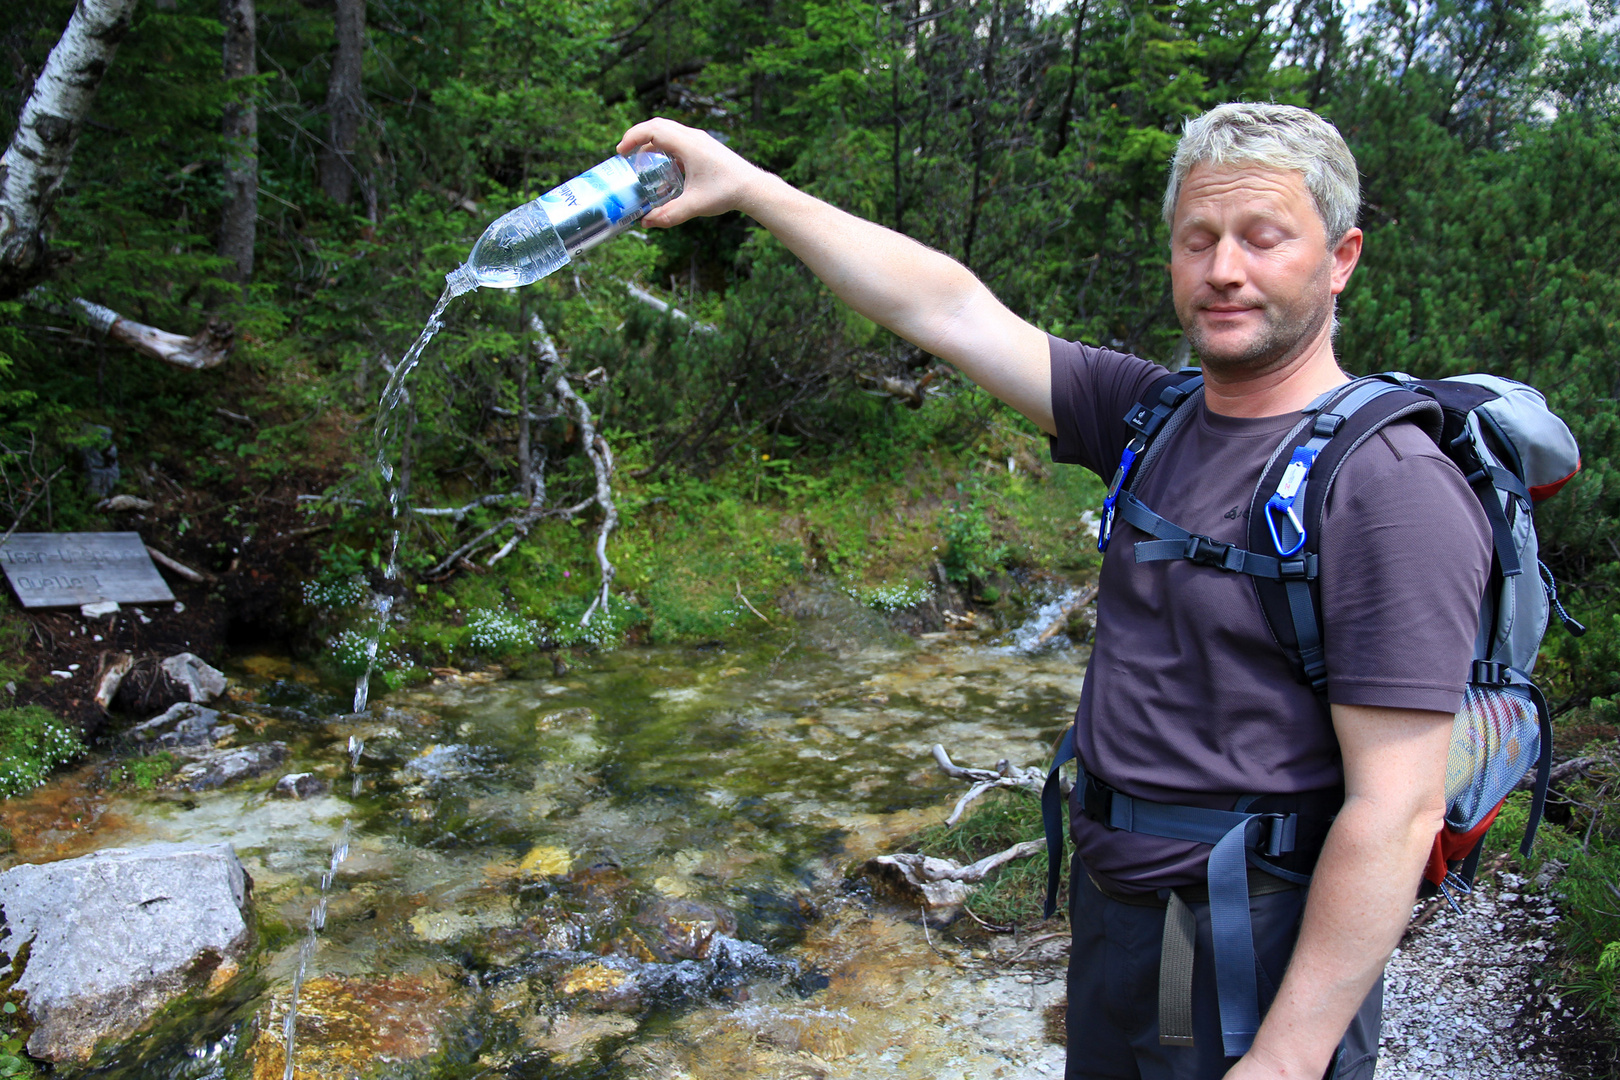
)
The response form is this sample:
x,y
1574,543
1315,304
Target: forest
x,y
208,275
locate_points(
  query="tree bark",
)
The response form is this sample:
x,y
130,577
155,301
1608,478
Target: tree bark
x,y
345,98
36,162
237,226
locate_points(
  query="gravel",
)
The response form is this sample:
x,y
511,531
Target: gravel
x,y
1464,996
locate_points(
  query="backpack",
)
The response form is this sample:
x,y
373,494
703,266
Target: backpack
x,y
1513,452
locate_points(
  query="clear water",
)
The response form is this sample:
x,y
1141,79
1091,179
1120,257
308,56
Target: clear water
x,y
513,839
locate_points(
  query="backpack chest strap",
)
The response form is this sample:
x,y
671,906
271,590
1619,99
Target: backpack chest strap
x,y
1174,542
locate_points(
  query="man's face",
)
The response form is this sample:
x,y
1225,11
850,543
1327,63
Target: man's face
x,y
1250,269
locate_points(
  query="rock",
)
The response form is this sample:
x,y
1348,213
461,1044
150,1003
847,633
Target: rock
x,y
683,929
100,609
114,936
192,674
221,767
180,725
347,1027
300,785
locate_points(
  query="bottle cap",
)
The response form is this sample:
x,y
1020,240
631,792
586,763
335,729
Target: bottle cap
x,y
463,279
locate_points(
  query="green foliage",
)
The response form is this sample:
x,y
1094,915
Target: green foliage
x,y
14,1063
32,743
143,773
971,550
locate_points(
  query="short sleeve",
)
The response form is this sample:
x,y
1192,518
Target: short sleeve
x,y
1405,554
1092,389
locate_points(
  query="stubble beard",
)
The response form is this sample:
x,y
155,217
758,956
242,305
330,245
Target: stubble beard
x,y
1283,336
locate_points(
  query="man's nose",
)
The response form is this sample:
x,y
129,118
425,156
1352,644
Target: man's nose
x,y
1227,266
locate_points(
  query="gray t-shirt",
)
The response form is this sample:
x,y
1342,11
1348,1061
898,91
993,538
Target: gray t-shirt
x,y
1188,698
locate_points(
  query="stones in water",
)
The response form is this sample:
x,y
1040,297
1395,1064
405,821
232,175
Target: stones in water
x,y
222,767
112,937
348,1026
302,785
181,725
683,929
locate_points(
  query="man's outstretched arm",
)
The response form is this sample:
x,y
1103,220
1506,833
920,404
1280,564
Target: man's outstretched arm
x,y
922,295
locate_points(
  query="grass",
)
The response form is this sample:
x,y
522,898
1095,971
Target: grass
x,y
1015,893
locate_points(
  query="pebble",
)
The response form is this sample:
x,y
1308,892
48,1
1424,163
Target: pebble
x,y
1461,996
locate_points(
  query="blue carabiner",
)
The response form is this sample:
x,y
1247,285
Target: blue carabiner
x,y
1105,528
1287,493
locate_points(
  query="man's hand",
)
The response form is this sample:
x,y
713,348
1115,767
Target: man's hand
x,y
1363,887
920,294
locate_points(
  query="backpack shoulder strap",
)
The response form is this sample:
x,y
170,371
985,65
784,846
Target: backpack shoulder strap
x,y
1285,512
1158,407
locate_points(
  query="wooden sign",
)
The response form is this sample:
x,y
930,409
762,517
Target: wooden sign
x,y
69,569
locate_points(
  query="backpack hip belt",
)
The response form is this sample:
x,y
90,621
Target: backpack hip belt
x,y
1238,838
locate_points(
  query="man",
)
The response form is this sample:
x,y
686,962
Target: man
x,y
1188,701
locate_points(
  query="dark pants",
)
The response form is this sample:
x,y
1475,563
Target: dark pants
x,y
1113,1018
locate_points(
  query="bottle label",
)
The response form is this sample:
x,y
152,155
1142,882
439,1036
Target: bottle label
x,y
609,187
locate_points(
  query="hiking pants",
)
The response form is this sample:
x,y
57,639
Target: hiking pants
x,y
1113,1016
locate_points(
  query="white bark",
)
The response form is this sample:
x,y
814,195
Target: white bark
x,y
35,164
601,458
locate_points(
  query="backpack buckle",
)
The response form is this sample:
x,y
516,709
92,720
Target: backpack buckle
x,y
1207,551
1097,800
1281,832
1489,673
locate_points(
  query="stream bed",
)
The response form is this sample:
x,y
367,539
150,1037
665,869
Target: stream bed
x,y
638,868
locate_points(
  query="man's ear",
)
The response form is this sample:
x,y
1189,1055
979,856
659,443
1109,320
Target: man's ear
x,y
1345,256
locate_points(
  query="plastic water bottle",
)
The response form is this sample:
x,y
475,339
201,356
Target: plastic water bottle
x,y
540,237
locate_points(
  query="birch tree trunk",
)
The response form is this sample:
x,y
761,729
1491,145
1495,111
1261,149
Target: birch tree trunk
x,y
345,98
34,165
237,226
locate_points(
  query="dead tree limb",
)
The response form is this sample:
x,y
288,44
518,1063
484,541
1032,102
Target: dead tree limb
x,y
596,448
36,162
1030,778
205,349
636,292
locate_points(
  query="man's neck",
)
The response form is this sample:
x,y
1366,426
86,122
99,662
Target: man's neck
x,y
1284,389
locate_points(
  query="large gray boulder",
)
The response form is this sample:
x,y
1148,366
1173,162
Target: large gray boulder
x,y
114,936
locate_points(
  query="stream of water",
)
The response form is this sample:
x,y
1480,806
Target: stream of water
x,y
638,869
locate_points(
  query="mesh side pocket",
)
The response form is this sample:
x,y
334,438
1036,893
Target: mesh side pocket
x,y
1495,741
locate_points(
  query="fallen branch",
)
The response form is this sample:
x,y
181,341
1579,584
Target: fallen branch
x,y
1030,778
747,605
178,567
1062,618
205,349
638,293
460,512
596,449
